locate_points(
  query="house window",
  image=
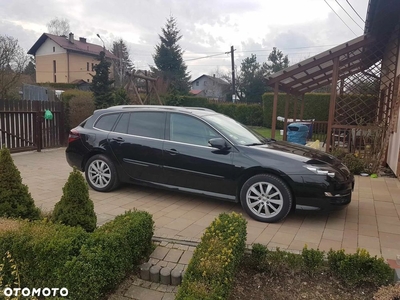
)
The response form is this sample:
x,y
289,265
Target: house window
x,y
88,80
55,78
197,83
54,66
92,67
54,49
87,66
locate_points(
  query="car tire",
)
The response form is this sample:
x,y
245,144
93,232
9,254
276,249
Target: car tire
x,y
266,198
101,174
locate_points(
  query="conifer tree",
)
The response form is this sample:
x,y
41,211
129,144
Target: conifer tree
x,y
168,59
15,199
75,207
102,84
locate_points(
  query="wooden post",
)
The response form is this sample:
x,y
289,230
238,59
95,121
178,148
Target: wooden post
x,y
286,117
295,109
38,126
274,110
302,107
332,104
61,125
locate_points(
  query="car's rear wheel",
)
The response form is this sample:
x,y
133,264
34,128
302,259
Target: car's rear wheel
x,y
101,174
266,198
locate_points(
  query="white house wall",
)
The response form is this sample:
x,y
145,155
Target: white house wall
x,y
394,140
47,48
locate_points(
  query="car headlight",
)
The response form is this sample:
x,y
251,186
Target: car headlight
x,y
321,170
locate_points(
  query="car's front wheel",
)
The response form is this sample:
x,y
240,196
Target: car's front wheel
x,y
101,174
266,198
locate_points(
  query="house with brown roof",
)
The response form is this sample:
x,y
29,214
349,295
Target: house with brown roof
x,y
210,87
65,60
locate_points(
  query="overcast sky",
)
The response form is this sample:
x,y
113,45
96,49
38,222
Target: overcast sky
x,y
300,28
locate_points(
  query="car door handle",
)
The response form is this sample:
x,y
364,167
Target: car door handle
x,y
118,139
173,151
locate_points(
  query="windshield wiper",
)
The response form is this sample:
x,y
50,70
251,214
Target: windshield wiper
x,y
254,144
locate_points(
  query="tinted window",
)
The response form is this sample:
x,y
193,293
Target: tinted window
x,y
122,125
148,124
106,122
187,129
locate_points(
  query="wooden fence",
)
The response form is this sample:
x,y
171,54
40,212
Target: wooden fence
x,y
23,127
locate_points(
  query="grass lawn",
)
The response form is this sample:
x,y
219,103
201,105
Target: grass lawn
x,y
266,132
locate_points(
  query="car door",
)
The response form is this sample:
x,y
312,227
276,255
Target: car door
x,y
191,163
137,143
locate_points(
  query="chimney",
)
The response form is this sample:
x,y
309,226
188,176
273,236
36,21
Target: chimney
x,y
82,39
214,75
71,37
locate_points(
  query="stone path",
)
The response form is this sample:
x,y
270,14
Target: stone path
x,y
167,256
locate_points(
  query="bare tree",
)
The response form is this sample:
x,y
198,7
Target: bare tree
x,y
12,64
58,26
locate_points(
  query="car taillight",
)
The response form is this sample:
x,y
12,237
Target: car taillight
x,y
73,135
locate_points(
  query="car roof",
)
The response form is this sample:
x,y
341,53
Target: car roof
x,y
200,111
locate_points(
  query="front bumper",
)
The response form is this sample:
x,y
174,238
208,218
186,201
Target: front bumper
x,y
324,193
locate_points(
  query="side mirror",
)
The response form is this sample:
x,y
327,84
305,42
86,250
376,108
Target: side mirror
x,y
219,143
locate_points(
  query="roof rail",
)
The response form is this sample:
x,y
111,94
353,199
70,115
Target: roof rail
x,y
160,106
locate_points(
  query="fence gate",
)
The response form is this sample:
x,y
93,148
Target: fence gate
x,y
23,127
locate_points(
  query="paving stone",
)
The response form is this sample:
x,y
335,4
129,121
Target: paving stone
x,y
171,265
163,243
138,282
179,267
145,271
165,276
170,288
146,284
176,277
160,253
140,293
162,264
153,261
186,257
169,296
155,274
154,286
173,255
162,288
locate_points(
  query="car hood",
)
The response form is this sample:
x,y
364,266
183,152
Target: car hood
x,y
297,152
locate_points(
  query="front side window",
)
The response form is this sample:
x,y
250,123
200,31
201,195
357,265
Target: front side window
x,y
106,122
189,130
147,124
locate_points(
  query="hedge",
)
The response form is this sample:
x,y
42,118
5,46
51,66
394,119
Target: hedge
x,y
79,105
211,271
88,264
316,106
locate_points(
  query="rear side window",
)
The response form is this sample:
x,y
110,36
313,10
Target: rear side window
x,y
106,122
122,126
147,124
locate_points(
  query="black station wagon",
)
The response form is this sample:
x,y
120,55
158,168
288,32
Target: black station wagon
x,y
199,151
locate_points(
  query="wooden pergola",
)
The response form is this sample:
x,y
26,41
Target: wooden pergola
x,y
362,77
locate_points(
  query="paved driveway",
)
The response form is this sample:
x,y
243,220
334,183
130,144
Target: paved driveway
x,y
371,221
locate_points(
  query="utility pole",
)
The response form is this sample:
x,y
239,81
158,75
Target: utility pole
x,y
233,73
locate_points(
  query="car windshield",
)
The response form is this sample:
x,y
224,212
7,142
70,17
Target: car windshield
x,y
235,131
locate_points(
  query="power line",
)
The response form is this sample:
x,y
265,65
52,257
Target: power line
x,y
355,10
340,18
204,57
348,14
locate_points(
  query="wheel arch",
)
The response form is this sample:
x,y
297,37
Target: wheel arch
x,y
89,155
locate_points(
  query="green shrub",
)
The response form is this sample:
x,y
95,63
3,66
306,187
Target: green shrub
x,y
109,253
313,260
258,256
75,207
87,264
41,250
120,97
78,106
15,199
355,164
360,268
211,270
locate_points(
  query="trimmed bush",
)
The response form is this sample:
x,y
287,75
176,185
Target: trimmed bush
x,y
89,265
211,270
360,268
108,255
78,106
41,250
15,199
75,207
